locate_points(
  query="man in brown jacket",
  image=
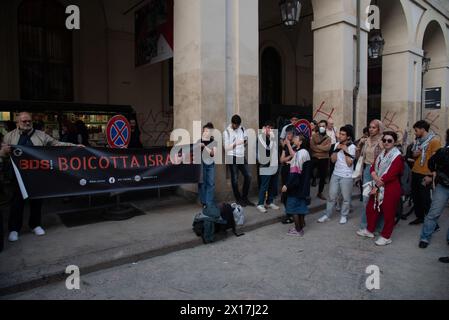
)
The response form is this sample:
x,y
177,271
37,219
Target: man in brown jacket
x,y
26,135
320,144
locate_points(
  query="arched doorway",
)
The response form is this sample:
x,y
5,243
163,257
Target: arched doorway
x,y
45,51
434,78
388,75
286,64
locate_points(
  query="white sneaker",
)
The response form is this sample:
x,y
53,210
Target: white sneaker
x,y
273,206
323,219
381,241
261,209
343,220
365,233
13,236
38,231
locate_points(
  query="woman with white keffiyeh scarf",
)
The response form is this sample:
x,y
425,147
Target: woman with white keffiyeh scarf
x,y
386,190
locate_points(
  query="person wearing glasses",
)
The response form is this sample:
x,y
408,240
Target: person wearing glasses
x,y
26,135
385,194
369,148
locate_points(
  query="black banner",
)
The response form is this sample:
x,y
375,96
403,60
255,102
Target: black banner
x,y
46,172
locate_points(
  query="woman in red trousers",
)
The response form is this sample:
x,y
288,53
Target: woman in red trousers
x,y
385,191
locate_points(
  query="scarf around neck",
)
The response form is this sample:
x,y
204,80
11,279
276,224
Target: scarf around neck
x,y
382,165
423,144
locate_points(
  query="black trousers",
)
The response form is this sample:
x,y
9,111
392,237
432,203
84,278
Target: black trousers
x,y
235,167
321,165
16,213
421,196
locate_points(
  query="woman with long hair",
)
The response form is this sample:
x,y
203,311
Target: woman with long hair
x,y
298,184
369,149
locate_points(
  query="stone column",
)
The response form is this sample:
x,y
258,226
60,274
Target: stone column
x,y
216,68
335,70
401,90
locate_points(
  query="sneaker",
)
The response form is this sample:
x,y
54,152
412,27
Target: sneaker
x,y
365,233
382,241
423,244
13,236
323,219
273,206
343,220
38,231
293,232
261,209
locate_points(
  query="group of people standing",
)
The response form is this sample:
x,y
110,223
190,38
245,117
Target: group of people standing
x,y
376,159
381,167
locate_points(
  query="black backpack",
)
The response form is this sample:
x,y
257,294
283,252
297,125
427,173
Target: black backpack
x,y
440,163
206,227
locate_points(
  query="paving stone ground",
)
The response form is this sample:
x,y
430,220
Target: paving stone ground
x,y
329,262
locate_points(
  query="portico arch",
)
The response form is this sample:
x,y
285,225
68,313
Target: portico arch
x,y
434,44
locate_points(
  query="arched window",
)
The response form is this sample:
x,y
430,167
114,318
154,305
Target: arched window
x,y
45,51
271,75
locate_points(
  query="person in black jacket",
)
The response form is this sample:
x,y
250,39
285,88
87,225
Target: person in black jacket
x,y
439,166
298,184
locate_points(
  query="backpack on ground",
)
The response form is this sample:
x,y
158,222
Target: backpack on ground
x,y
206,226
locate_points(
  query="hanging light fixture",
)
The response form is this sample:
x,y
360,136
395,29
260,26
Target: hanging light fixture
x,y
290,12
375,46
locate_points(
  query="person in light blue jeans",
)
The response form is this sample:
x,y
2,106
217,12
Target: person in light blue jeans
x,y
339,185
341,181
439,203
370,147
206,188
439,165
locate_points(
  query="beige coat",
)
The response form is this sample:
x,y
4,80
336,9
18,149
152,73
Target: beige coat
x,y
39,139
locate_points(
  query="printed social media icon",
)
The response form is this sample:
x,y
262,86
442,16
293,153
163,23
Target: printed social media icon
x,y
138,178
111,180
18,152
83,182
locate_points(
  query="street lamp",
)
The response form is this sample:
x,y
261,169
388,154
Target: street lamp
x,y
290,12
376,46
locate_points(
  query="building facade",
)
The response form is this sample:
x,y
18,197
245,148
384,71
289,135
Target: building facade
x,y
234,56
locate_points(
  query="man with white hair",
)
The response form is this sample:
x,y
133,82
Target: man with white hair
x,y
26,135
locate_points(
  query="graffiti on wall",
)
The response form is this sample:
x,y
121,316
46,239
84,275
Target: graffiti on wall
x,y
432,118
390,121
326,113
155,127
